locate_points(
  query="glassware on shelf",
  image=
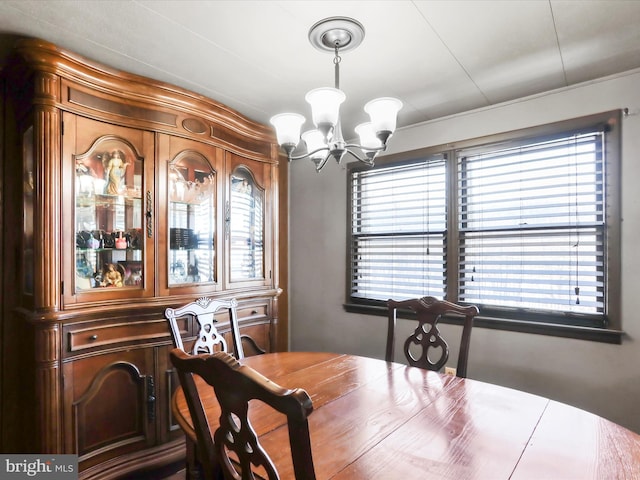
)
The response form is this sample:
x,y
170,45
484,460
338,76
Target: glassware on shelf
x,y
109,216
192,220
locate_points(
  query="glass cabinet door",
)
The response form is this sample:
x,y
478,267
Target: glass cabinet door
x,y
109,237
245,217
192,219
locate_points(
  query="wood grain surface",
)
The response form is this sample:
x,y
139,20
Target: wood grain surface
x,y
378,420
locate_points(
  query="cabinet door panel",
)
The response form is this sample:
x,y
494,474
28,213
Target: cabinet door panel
x,y
255,339
168,427
108,232
189,181
248,222
110,405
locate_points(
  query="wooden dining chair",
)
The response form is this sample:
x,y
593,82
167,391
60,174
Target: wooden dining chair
x,y
422,346
208,340
204,310
235,444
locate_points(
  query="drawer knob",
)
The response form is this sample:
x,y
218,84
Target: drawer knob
x,y
254,312
93,337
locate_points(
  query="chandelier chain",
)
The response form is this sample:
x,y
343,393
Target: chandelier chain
x,y
336,61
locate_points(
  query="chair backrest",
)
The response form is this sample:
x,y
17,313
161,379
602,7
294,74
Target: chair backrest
x,y
426,338
235,385
204,309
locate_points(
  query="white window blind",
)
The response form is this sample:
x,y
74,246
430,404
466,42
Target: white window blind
x,y
524,224
531,225
398,231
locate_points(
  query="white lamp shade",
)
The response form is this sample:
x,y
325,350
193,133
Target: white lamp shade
x,y
325,105
383,113
315,140
367,134
287,127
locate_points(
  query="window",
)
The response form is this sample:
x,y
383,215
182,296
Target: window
x,y
524,225
399,227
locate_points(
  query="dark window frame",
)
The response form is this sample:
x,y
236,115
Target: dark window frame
x,y
609,330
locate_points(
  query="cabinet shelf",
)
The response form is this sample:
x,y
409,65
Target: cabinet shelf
x,y
104,200
99,250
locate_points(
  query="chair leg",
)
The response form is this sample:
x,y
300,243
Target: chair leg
x,y
192,470
194,467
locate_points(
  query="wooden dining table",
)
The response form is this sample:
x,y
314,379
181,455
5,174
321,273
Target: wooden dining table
x,y
379,420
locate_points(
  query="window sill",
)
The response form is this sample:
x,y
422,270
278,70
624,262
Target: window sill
x,y
566,331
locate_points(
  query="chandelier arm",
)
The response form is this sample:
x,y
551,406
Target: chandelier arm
x,y
371,149
308,154
357,157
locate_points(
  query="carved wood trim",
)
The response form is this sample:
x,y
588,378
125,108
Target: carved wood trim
x,y
109,106
49,411
47,207
47,388
47,344
194,125
47,86
116,467
227,127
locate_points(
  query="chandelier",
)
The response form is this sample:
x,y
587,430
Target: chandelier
x,y
336,34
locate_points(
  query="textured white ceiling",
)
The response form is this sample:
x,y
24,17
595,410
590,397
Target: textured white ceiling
x,y
438,57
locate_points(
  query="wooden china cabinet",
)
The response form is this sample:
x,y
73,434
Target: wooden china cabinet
x,y
122,196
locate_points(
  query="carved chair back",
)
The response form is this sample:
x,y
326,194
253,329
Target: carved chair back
x,y
235,442
422,346
208,340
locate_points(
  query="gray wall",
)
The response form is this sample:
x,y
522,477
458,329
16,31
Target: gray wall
x,y
601,378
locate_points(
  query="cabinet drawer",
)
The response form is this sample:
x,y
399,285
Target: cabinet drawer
x,y
253,312
79,338
246,313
